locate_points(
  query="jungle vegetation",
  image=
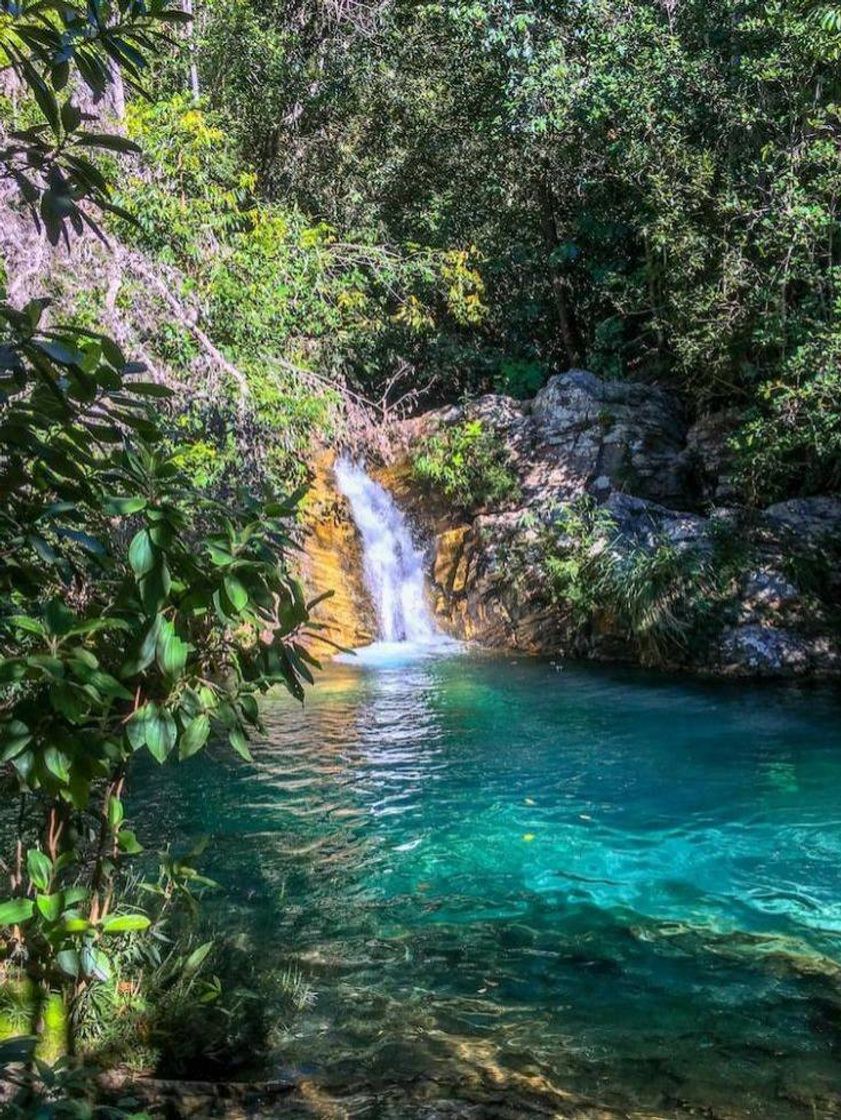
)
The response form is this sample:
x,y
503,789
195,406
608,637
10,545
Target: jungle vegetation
x,y
269,217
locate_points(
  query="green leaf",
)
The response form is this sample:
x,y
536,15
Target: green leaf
x,y
116,812
197,958
14,737
141,554
128,843
194,737
149,389
40,868
30,625
126,923
154,728
137,726
71,116
161,735
123,507
49,906
145,653
171,651
94,963
68,961
61,352
108,141
42,93
16,911
240,744
76,925
59,619
236,593
17,1051
11,670
221,557
155,587
57,763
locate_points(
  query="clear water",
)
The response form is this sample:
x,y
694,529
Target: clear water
x,y
512,886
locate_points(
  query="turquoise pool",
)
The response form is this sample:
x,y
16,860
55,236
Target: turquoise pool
x,y
495,880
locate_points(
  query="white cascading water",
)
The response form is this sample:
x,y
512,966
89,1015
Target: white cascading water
x,y
393,566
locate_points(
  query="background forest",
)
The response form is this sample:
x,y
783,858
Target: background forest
x,y
440,199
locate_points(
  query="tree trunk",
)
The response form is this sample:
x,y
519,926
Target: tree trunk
x,y
570,337
187,6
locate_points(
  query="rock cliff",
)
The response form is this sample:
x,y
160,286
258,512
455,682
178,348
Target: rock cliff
x,y
332,561
709,586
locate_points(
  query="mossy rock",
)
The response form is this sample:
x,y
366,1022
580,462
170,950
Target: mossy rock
x,y
20,1004
17,1008
53,1041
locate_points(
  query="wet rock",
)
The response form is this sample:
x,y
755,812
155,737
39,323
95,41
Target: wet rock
x,y
332,560
761,650
625,446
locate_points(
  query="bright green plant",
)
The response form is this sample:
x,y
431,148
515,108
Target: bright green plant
x,y
467,464
790,442
137,615
519,378
652,189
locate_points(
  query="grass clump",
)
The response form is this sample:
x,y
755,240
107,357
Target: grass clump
x,y
662,596
468,465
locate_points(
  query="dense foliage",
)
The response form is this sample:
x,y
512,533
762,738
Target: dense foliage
x,y
658,595
332,211
137,614
466,464
649,189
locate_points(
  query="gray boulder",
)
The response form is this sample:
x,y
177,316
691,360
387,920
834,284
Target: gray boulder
x,y
624,433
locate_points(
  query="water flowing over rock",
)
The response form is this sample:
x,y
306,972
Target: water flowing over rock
x,y
392,565
627,448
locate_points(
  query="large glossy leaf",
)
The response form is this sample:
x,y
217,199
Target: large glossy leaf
x,y
39,867
16,911
172,651
141,553
194,737
126,923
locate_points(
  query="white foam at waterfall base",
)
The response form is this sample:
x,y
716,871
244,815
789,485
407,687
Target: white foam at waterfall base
x,y
392,570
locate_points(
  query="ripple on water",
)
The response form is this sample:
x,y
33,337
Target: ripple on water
x,y
501,878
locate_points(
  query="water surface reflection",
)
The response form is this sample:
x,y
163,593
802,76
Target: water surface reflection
x,y
498,875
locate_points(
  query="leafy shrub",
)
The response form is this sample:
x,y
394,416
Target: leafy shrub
x,y
519,378
136,614
791,442
467,464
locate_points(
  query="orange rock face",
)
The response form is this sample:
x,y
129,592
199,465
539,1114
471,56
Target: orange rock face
x,y
332,561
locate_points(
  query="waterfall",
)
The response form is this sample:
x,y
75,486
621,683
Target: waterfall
x,y
393,566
